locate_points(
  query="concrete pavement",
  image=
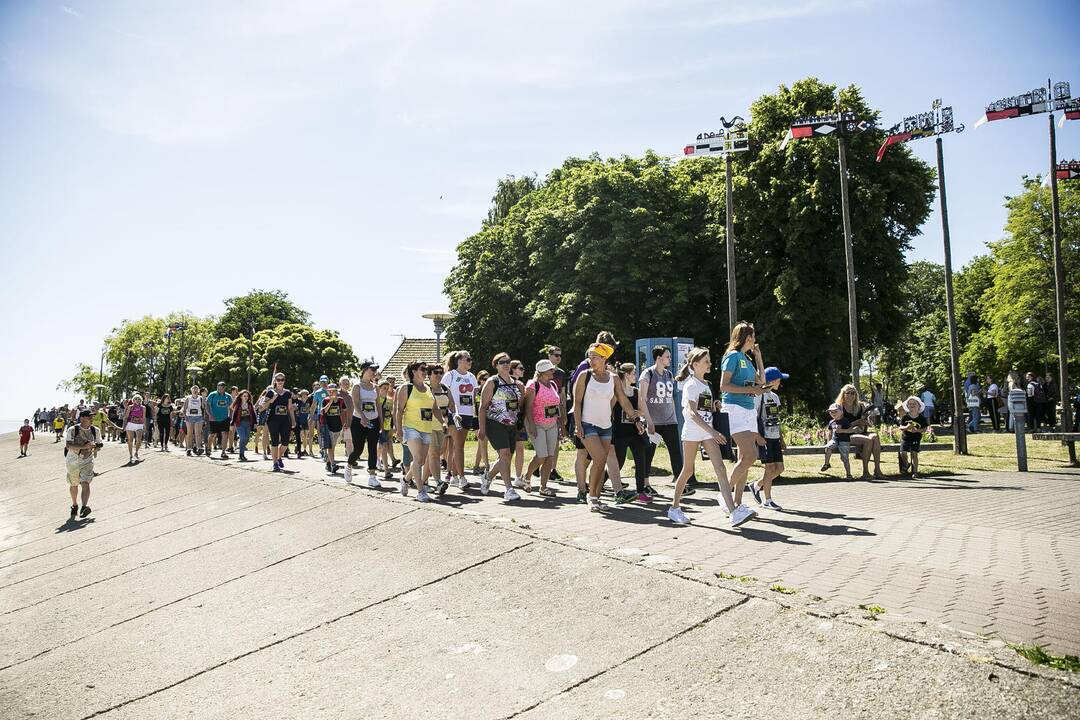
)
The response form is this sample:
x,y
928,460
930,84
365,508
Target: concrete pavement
x,y
201,591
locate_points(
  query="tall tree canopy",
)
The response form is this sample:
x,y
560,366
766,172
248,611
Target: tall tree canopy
x,y
263,309
300,351
635,245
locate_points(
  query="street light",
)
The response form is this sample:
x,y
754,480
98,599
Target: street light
x,y
440,320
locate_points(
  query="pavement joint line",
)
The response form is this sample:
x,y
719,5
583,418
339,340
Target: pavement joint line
x,y
701,623
154,537
169,557
218,585
118,515
46,492
305,631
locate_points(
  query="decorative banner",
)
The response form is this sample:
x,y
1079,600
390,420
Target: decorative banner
x,y
1030,103
1068,170
1072,111
732,137
824,125
938,121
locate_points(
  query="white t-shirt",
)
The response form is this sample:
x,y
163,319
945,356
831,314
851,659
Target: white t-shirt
x,y
697,397
769,411
461,385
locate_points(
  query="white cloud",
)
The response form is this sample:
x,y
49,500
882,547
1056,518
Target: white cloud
x,y
71,11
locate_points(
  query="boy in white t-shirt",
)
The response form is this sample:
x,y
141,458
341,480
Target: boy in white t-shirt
x,y
771,453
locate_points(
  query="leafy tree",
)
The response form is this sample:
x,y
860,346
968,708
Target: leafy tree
x,y
137,353
508,191
83,381
300,351
920,356
635,245
1017,322
264,309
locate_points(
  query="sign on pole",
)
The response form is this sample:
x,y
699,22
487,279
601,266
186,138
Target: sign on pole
x,y
824,125
1068,170
731,138
939,121
1033,102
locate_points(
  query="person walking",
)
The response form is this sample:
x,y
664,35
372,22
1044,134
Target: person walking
x,y
544,422
501,400
741,382
629,432
367,421
82,442
973,400
218,404
993,403
25,433
194,413
415,410
276,400
242,413
462,384
134,426
657,387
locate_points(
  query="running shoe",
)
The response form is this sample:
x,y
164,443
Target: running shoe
x,y
475,469
422,496
688,490
510,495
556,476
441,488
329,467
449,476
649,490
756,491
189,452
373,482
741,515
485,485
518,483
74,511
581,497
625,496
547,492
224,456
85,511
677,516
771,504
404,487
388,476
348,474
644,498
380,466
595,505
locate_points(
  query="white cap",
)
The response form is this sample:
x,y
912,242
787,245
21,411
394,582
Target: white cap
x,y
544,365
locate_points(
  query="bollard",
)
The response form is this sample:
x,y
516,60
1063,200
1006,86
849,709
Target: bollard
x,y
1018,413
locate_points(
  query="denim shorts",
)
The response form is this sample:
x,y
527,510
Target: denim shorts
x,y
414,434
588,429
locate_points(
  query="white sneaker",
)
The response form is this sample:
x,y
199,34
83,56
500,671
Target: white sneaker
x,y
510,495
677,516
348,474
380,466
595,505
373,482
518,483
485,485
742,514
404,487
422,496
461,482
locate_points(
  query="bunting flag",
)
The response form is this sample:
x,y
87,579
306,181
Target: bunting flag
x,y
823,126
1068,170
1034,102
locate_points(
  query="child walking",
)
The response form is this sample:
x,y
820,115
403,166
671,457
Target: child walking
x,y
771,453
25,433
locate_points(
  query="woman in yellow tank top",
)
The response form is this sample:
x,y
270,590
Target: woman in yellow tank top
x,y
415,413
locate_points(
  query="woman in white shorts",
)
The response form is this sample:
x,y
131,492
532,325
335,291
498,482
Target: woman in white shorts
x,y
134,426
544,423
741,385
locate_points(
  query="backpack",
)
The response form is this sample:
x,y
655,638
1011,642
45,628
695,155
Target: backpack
x,y
1039,394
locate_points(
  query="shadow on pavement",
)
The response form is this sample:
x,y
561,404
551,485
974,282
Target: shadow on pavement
x,y
72,525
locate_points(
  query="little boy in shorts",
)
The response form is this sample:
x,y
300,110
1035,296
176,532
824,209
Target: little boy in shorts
x,y
912,424
771,453
839,438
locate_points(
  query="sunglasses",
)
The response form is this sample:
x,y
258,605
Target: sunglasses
x,y
503,362
555,354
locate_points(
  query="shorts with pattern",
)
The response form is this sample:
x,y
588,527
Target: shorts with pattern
x,y
79,469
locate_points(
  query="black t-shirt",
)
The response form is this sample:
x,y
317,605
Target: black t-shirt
x,y
841,424
919,420
625,427
279,406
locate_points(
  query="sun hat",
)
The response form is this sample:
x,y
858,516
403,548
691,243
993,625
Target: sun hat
x,y
544,365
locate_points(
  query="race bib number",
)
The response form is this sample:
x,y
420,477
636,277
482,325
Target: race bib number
x,y
221,402
512,405
333,410
193,411
772,415
281,410
466,400
551,411
704,402
368,407
425,414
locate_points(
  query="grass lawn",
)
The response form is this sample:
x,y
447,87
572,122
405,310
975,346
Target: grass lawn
x,y
988,451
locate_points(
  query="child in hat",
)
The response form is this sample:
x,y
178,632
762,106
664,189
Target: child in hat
x,y
912,424
771,453
839,438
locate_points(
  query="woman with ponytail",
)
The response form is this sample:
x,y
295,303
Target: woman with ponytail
x,y
697,430
741,383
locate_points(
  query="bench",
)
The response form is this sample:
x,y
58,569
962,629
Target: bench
x,y
892,447
1064,437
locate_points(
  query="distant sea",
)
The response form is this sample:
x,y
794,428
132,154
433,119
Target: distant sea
x,y
7,426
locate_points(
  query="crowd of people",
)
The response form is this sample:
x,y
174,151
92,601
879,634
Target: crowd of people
x,y
605,408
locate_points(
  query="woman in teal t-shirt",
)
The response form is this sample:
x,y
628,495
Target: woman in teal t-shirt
x,y
740,384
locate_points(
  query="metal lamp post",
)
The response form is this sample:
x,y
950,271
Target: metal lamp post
x,y
440,320
1034,102
733,137
938,121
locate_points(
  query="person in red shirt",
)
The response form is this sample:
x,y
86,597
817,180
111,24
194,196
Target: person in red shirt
x,y
25,433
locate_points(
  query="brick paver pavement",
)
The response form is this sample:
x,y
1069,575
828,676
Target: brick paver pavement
x,y
991,553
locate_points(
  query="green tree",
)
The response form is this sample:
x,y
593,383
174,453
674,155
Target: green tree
x,y
635,245
920,355
300,351
83,382
263,309
1017,322
137,353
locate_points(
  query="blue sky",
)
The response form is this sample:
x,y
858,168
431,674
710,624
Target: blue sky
x,y
161,155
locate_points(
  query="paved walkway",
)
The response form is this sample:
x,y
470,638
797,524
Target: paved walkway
x,y
196,590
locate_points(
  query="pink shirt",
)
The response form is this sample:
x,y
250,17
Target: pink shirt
x,y
546,397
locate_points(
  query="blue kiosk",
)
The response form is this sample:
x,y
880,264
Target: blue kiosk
x,y
680,347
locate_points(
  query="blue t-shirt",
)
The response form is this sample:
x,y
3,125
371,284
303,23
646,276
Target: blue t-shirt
x,y
219,404
743,373
318,398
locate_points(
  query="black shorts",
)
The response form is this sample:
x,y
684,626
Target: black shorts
x,y
217,426
468,422
910,442
501,437
771,452
280,429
